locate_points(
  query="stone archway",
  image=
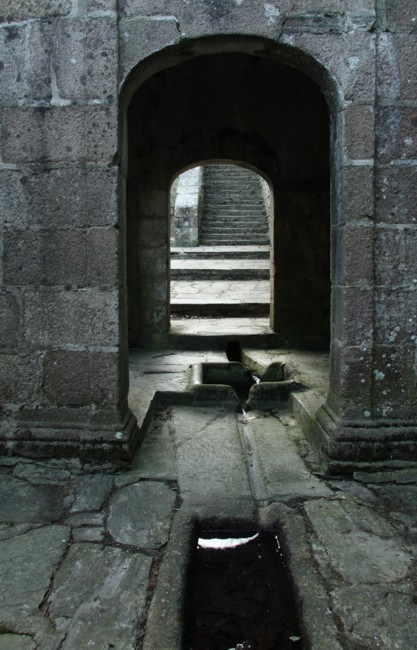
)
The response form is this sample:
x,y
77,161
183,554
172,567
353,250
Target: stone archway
x,y
246,107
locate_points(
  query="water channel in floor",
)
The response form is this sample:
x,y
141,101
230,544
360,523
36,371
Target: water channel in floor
x,y
241,595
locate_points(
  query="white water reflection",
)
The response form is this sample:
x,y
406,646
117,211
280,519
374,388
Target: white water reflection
x,y
218,543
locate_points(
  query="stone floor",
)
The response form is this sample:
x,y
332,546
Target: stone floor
x,y
96,555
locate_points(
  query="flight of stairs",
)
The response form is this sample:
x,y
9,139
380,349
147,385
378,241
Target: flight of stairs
x,y
233,208
227,275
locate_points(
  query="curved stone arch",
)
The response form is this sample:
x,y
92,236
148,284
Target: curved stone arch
x,y
247,146
196,208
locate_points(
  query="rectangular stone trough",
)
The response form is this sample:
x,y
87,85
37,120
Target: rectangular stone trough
x,y
233,382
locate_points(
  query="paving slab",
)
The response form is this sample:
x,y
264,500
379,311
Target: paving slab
x,y
212,470
360,545
16,642
27,563
141,514
98,596
277,469
377,617
22,502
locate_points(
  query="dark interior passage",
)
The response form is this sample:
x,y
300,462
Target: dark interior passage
x,y
249,109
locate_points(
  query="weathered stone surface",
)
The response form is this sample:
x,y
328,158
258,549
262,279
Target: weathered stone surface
x,y
81,378
24,9
60,133
78,317
22,502
69,197
10,318
141,514
395,128
13,199
27,564
98,596
87,52
16,642
90,492
204,474
20,378
359,132
376,617
357,194
277,467
394,196
394,315
102,250
39,475
45,257
361,545
12,52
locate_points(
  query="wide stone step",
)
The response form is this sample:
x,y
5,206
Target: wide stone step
x,y
220,252
245,269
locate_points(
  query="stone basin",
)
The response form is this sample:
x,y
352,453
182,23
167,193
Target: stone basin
x,y
234,382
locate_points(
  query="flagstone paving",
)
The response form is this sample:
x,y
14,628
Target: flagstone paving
x,y
96,555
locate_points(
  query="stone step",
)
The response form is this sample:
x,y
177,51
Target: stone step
x,y
232,274
221,252
216,310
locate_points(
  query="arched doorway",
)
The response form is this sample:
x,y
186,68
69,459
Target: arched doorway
x,y
247,106
220,245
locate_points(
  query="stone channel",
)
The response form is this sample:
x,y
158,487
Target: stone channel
x,y
98,554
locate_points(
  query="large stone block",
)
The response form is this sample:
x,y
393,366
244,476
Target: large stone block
x,y
41,134
102,132
395,258
395,201
10,319
83,317
45,257
20,379
396,132
12,68
351,386
86,58
401,14
395,315
102,256
357,194
397,66
353,316
353,255
349,59
82,378
144,36
359,132
38,74
24,9
394,381
65,133
72,197
13,198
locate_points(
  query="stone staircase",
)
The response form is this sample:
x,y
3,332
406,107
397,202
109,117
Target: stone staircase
x,y
234,211
220,281
227,275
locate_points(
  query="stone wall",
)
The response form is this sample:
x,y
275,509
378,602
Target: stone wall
x,y
186,206
81,85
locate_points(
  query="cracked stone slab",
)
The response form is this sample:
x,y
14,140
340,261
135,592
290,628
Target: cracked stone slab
x,y
16,642
22,502
27,563
211,462
38,475
141,514
91,492
98,596
360,545
156,457
276,466
374,617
